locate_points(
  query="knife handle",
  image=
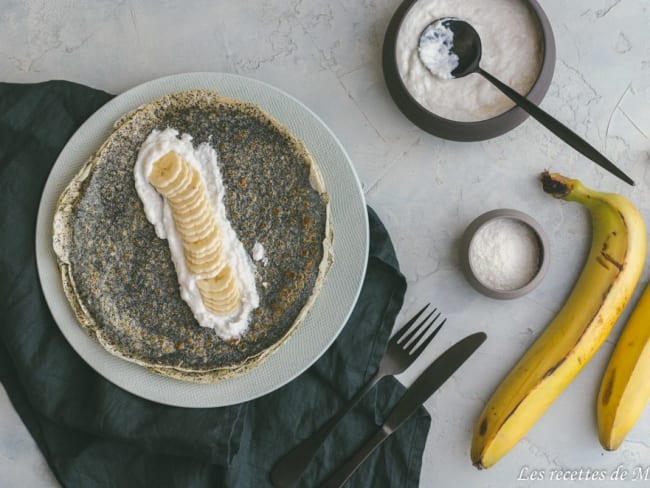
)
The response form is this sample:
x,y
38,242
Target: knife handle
x,y
342,474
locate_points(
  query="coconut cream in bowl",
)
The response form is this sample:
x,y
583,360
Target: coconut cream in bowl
x,y
518,48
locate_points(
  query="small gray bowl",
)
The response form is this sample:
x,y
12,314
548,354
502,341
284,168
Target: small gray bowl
x,y
452,129
490,216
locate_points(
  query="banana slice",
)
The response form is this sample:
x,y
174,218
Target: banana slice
x,y
208,269
197,226
180,180
207,253
200,247
184,208
222,305
197,233
167,170
195,223
193,219
209,248
230,295
226,301
190,188
224,296
218,284
220,293
223,308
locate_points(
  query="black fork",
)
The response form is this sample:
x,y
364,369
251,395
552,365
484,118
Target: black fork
x,y
403,349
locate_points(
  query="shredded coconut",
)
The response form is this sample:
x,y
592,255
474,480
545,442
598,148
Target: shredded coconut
x,y
436,50
259,254
504,254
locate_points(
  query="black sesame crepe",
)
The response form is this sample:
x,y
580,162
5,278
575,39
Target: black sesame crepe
x,y
119,276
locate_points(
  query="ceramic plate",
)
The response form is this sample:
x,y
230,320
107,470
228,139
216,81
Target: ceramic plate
x,y
334,302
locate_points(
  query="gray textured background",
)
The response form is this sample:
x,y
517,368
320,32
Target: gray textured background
x,y
327,54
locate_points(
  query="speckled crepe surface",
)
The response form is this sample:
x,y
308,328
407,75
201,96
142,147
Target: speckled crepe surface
x,y
120,276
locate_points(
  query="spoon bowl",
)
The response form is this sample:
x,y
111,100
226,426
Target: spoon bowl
x,y
459,38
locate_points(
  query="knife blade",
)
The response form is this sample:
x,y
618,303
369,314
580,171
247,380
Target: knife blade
x,y
424,386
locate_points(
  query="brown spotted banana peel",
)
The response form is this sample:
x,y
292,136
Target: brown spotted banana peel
x,y
625,388
603,289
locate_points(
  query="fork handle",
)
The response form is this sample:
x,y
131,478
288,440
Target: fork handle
x,y
290,468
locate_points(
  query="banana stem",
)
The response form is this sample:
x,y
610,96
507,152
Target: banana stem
x,y
557,185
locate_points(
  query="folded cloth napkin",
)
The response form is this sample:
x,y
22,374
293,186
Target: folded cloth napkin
x,y
93,433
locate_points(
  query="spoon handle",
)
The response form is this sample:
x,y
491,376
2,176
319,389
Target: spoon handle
x,y
557,128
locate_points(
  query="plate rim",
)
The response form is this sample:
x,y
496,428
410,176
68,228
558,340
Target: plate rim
x,y
200,395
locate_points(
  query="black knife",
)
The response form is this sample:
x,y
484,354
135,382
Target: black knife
x,y
425,386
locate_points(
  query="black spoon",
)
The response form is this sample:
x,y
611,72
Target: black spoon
x,y
466,46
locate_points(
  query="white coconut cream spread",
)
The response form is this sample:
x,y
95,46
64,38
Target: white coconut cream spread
x,y
204,159
512,51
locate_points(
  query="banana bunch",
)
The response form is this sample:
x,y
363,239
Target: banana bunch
x,y
605,285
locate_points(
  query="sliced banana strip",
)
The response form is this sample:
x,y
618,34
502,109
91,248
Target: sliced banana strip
x,y
184,190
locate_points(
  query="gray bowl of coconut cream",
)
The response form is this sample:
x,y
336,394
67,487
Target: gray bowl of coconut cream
x,y
518,48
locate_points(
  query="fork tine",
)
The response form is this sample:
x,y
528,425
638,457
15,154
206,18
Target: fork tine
x,y
408,324
423,328
426,342
407,339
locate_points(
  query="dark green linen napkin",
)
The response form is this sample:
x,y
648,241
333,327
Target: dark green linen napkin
x,y
94,434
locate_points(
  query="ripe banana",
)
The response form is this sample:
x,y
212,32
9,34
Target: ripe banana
x,y
609,276
625,388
